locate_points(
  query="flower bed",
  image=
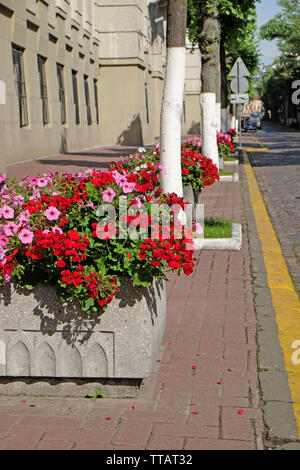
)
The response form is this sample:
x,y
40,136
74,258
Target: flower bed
x,y
68,246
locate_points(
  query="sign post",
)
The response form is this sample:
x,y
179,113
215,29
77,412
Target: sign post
x,y
239,86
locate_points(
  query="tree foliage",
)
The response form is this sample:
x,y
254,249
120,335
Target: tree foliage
x,y
275,87
238,28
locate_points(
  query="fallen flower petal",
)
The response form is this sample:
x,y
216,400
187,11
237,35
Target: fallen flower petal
x,y
240,412
194,412
108,418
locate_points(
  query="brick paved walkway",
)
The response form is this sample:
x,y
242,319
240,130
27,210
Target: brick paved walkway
x,y
203,394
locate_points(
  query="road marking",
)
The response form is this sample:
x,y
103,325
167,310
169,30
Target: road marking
x,y
264,149
284,296
259,142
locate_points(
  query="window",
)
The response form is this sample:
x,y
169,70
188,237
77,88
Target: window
x,y
75,96
96,99
147,102
61,91
87,100
17,55
43,86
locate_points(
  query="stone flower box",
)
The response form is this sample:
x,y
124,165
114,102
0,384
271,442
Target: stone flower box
x,y
50,348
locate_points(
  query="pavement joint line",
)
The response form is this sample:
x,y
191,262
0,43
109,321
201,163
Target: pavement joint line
x,y
284,297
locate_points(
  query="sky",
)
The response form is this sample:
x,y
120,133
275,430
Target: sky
x,y
266,10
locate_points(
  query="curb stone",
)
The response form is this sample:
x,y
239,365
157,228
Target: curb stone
x,y
229,178
232,163
232,244
278,413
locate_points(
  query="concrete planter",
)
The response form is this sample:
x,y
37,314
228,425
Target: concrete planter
x,y
61,350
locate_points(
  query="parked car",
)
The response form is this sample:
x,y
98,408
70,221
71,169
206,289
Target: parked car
x,y
250,125
244,118
256,116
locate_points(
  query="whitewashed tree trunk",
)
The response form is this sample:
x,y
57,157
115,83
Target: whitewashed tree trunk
x,y
218,116
232,122
224,120
170,135
170,132
209,127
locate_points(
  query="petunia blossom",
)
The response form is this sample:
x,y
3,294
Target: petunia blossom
x,y
26,236
128,187
108,195
52,213
7,212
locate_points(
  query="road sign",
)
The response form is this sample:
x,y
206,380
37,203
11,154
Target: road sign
x,y
239,69
239,85
239,99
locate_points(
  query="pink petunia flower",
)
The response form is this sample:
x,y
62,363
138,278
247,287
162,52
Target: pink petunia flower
x,y
52,213
26,236
7,212
3,240
108,195
33,181
42,182
10,229
57,230
128,187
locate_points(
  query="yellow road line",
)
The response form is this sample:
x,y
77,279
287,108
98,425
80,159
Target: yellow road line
x,y
259,142
263,149
285,299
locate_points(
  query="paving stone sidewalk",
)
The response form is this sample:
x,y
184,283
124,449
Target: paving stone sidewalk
x,y
203,392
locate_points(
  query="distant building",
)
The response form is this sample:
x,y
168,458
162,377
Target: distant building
x,y
76,74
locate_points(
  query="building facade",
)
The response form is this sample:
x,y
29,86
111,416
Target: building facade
x,y
76,74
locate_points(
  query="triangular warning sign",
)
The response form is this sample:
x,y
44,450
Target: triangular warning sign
x,y
239,69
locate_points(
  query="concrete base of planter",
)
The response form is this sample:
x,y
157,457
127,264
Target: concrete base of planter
x,y
230,179
44,344
232,244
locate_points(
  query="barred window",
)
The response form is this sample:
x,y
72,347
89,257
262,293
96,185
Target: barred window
x,y
43,86
96,99
61,91
75,96
87,100
17,55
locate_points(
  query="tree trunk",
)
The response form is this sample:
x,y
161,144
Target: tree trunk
x,y
173,97
209,44
224,89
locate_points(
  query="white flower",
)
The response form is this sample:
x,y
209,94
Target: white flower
x,y
141,150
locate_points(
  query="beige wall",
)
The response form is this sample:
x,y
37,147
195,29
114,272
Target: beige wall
x,y
132,58
116,42
28,24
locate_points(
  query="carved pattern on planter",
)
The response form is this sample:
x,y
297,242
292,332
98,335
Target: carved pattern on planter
x,y
44,338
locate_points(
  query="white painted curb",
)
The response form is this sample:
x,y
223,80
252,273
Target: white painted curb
x,y
232,244
229,178
234,162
